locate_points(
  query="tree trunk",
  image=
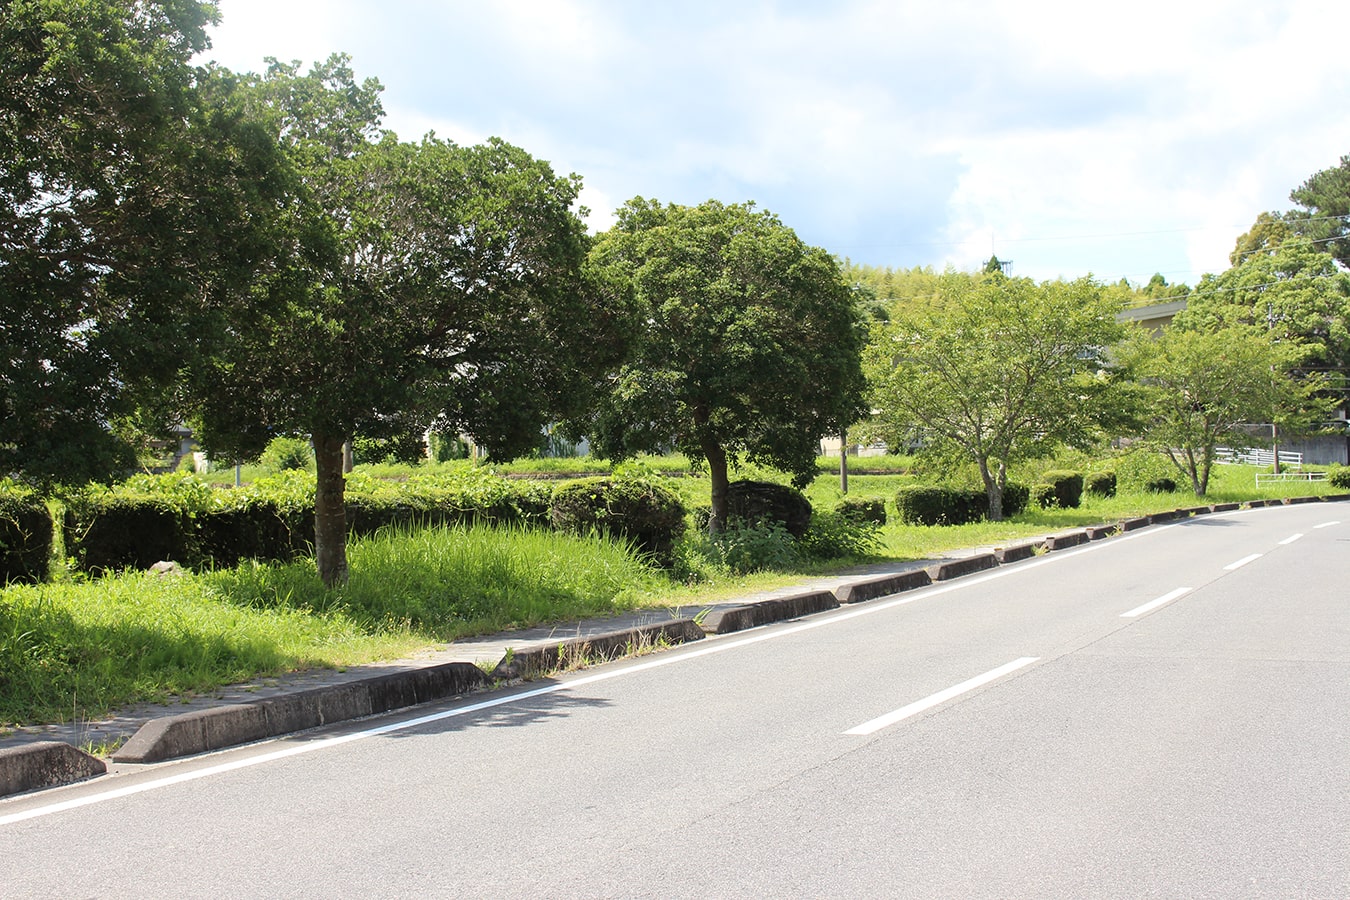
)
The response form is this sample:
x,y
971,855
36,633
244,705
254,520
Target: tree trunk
x,y
717,478
994,488
330,515
843,463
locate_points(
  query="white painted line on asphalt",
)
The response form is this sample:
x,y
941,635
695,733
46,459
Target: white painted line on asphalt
x,y
1154,604
941,697
1326,525
1289,540
1242,562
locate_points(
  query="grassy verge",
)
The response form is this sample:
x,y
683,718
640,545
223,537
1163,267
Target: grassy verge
x,y
79,650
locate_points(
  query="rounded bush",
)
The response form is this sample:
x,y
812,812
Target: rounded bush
x,y
648,514
1068,487
920,504
284,454
1339,477
764,501
1161,486
862,511
1015,498
1043,495
26,534
1101,484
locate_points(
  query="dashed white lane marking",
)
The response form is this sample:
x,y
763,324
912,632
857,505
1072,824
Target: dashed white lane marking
x,y
1154,604
941,697
1242,562
1326,525
1289,540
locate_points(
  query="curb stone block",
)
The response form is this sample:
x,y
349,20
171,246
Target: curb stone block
x,y
1019,552
1098,532
884,586
1064,541
171,737
45,764
1133,524
1225,507
955,568
1158,518
777,609
1195,511
535,661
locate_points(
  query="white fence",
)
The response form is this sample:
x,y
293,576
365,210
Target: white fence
x,y
1289,460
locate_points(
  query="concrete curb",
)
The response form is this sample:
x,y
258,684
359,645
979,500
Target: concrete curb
x,y
53,763
45,764
533,662
764,612
170,737
883,586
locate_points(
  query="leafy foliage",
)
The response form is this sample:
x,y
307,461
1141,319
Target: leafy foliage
x,y
748,343
996,370
640,510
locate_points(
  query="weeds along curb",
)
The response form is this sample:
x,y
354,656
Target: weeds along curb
x,y
54,763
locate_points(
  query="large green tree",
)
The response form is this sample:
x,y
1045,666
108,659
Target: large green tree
x,y
1290,289
997,369
748,342
129,193
1324,213
422,284
1202,389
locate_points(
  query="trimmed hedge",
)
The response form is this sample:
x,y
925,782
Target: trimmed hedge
x,y
649,514
1068,488
26,534
174,517
1339,477
754,502
1101,484
862,512
920,504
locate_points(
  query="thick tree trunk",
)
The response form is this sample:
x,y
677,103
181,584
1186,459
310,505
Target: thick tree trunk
x,y
717,478
330,515
993,486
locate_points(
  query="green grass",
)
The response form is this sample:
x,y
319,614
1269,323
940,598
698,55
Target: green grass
x,y
80,649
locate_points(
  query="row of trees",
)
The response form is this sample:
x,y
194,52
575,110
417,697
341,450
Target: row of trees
x,y
255,255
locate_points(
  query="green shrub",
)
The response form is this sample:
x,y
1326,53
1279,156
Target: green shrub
x,y
1339,477
1164,485
136,524
1068,487
26,534
837,536
765,501
1101,484
1015,499
1137,469
920,504
862,511
746,547
284,454
649,514
1043,495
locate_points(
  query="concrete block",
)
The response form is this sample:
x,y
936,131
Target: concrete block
x,y
1225,507
764,612
955,568
1160,517
1294,500
1019,552
532,662
881,586
45,764
1066,540
1098,532
170,737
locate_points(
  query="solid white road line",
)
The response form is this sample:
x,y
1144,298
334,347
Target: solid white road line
x,y
941,697
1154,604
1289,540
1242,562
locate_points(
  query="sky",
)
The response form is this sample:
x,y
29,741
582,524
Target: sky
x,y
1116,140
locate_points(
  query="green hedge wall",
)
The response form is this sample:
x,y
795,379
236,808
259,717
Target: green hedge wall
x,y
26,534
651,515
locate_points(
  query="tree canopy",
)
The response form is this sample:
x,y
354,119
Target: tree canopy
x,y
1324,214
747,346
420,284
1199,389
128,196
998,369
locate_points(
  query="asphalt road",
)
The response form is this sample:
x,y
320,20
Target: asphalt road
x,y
1162,714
